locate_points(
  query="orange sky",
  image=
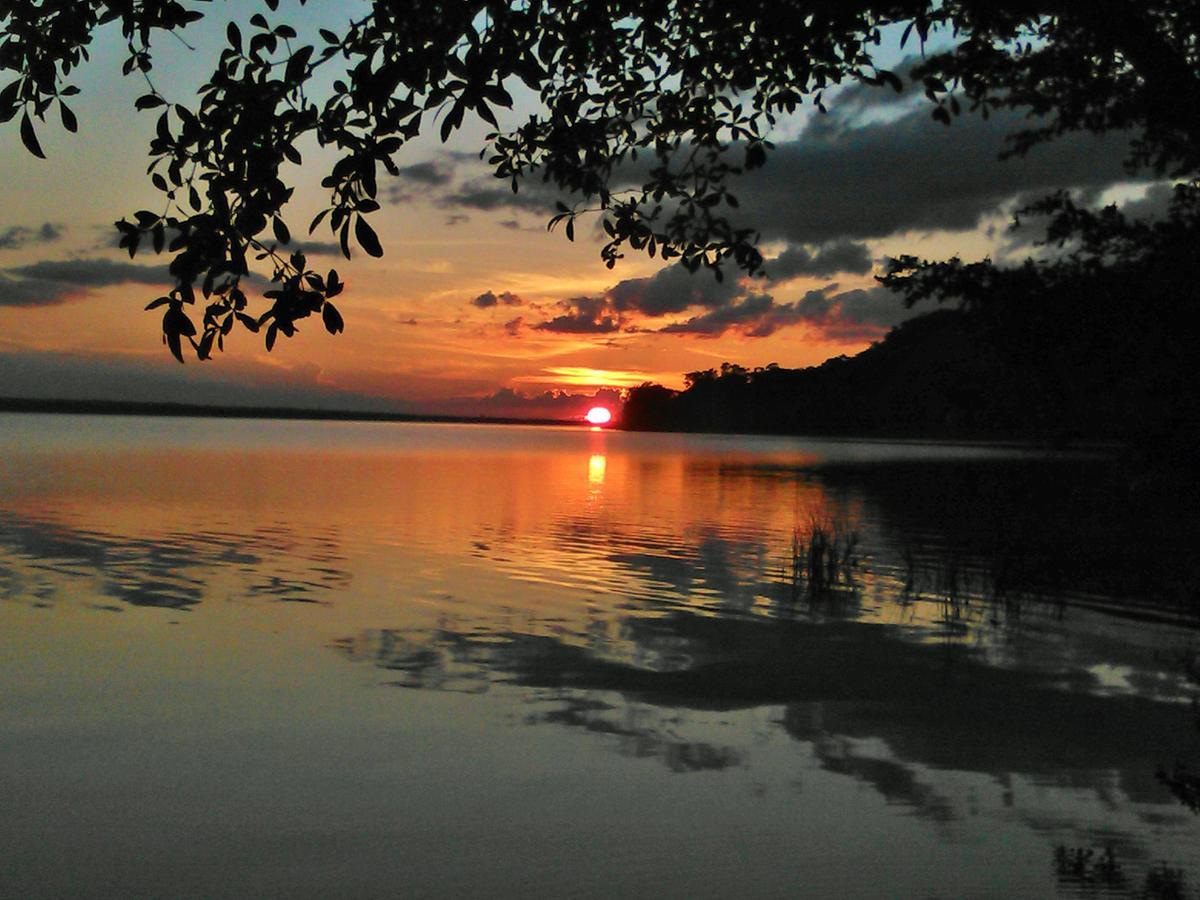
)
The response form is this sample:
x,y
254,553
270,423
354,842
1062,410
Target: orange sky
x,y
413,339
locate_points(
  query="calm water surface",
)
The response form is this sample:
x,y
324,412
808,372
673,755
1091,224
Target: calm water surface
x,y
283,659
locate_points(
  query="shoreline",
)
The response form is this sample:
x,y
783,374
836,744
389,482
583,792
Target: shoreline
x,y
204,411
20,405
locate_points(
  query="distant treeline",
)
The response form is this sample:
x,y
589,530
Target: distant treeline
x,y
1075,372
133,408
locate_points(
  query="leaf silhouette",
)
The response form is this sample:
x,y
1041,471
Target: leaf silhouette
x,y
68,118
367,238
29,139
332,318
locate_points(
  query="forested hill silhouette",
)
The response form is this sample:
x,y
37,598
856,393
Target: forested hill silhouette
x,y
1084,369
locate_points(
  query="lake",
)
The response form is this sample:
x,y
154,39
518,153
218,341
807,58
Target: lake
x,y
299,659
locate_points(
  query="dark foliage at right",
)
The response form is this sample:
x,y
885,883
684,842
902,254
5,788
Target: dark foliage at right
x,y
1096,341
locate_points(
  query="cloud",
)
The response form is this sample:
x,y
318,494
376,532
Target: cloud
x,y
1154,204
419,179
844,256
875,166
1028,236
91,272
20,235
583,315
840,182
232,382
848,316
553,404
858,314
319,248
488,195
750,315
671,290
728,306
433,174
857,103
52,282
488,299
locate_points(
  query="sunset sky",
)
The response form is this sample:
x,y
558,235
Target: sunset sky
x,y
475,308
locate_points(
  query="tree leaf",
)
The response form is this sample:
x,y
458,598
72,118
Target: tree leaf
x,y
29,139
8,100
332,318
204,351
367,238
176,347
68,118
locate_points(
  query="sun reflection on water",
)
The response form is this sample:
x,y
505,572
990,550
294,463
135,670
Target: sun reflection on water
x,y
597,464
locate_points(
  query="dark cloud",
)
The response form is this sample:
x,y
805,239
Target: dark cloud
x,y
1025,236
857,103
90,272
847,316
727,306
488,195
488,299
672,290
822,262
875,166
583,315
513,326
838,182
547,405
862,314
420,179
754,315
1153,205
319,248
433,174
51,282
21,235
457,219
427,180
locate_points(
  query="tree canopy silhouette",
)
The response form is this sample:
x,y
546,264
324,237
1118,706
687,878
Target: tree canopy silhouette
x,y
644,114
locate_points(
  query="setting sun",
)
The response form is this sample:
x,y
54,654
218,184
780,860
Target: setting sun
x,y
598,415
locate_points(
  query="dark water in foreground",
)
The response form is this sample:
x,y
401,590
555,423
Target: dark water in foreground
x,y
324,659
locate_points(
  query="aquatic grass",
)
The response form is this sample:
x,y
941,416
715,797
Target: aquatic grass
x,y
824,561
964,586
909,592
1086,867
